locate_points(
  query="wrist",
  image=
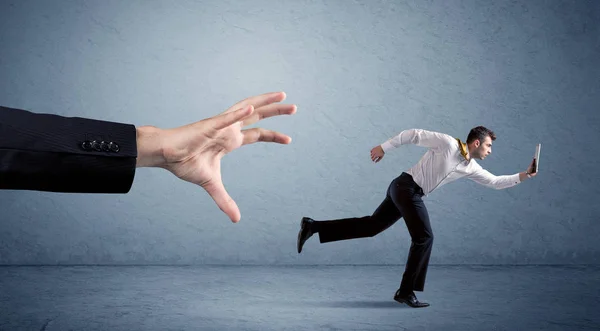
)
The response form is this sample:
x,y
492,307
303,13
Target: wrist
x,y
149,146
386,146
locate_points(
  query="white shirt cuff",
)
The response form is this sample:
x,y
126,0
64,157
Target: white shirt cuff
x,y
516,178
386,146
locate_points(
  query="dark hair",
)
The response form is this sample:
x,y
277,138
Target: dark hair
x,y
480,133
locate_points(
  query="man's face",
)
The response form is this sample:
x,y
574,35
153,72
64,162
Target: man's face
x,y
484,149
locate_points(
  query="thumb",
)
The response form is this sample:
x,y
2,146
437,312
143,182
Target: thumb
x,y
218,193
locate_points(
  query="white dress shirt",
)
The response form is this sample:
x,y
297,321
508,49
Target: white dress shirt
x,y
445,161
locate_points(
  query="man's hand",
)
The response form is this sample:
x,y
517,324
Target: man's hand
x,y
377,154
193,152
530,169
523,175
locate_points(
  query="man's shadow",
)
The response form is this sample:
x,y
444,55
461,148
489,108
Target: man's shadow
x,y
362,304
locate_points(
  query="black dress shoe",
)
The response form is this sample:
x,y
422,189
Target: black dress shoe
x,y
410,299
305,232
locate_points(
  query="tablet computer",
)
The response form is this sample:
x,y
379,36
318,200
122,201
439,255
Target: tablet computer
x,y
536,158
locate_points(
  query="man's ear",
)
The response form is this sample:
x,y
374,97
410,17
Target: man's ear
x,y
476,143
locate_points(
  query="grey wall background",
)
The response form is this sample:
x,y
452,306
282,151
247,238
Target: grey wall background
x,y
360,72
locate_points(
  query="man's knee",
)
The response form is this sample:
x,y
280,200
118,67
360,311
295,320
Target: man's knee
x,y
379,226
424,239
375,231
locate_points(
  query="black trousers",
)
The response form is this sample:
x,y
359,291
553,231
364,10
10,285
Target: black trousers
x,y
403,200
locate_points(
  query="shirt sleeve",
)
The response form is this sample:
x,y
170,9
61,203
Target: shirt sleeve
x,y
484,177
419,137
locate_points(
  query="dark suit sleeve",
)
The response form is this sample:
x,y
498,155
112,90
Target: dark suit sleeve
x,y
46,152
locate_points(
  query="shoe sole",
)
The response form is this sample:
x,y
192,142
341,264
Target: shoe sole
x,y
408,304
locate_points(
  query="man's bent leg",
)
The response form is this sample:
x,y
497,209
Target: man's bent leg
x,y
359,227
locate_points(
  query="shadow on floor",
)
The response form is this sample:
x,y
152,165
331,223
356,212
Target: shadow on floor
x,y
361,304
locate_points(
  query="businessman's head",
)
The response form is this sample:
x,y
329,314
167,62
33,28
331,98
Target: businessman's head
x,y
479,142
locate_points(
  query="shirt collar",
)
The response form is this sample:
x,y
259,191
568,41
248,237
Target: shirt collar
x,y
463,149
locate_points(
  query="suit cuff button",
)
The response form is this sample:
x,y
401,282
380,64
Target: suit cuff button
x,y
113,147
104,146
86,145
96,145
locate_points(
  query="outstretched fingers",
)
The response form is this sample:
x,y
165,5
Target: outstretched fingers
x,y
261,100
259,134
270,111
226,119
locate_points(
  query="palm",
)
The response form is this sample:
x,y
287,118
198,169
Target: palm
x,y
204,168
201,169
197,149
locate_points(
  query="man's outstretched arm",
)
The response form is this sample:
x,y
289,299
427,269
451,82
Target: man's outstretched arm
x,y
419,137
488,179
46,152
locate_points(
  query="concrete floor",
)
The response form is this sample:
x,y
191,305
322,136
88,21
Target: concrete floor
x,y
296,298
